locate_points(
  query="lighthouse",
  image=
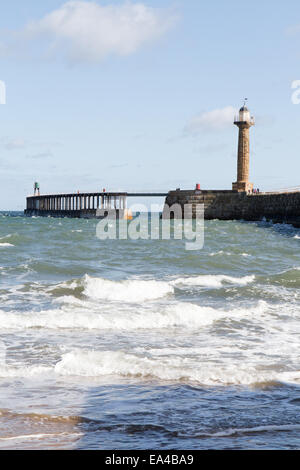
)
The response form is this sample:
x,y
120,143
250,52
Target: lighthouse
x,y
243,121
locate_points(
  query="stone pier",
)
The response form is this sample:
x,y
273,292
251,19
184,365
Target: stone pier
x,y
281,207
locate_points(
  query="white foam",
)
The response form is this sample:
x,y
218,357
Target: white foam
x,y
256,429
168,368
214,281
227,253
128,290
40,436
291,377
3,245
24,371
119,363
180,314
6,236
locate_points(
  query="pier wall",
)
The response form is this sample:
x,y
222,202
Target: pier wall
x,y
232,205
223,205
83,214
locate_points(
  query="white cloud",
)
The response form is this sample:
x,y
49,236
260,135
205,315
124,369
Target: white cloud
x,y
88,32
19,143
13,144
215,120
40,155
293,30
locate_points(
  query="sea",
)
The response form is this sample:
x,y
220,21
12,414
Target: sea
x,y
143,344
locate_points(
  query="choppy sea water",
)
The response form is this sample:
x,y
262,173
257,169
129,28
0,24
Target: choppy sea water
x,y
144,345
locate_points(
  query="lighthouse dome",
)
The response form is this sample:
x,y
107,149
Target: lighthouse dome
x,y
244,114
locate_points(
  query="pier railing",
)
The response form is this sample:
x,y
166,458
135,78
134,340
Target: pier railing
x,y
76,202
295,189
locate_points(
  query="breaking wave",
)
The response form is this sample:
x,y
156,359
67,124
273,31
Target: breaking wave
x,y
187,370
169,368
8,371
128,290
181,314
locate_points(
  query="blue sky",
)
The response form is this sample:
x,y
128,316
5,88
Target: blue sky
x,y
139,95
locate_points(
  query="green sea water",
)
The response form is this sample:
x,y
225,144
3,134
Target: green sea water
x,y
138,344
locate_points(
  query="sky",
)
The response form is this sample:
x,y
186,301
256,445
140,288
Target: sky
x,y
140,95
